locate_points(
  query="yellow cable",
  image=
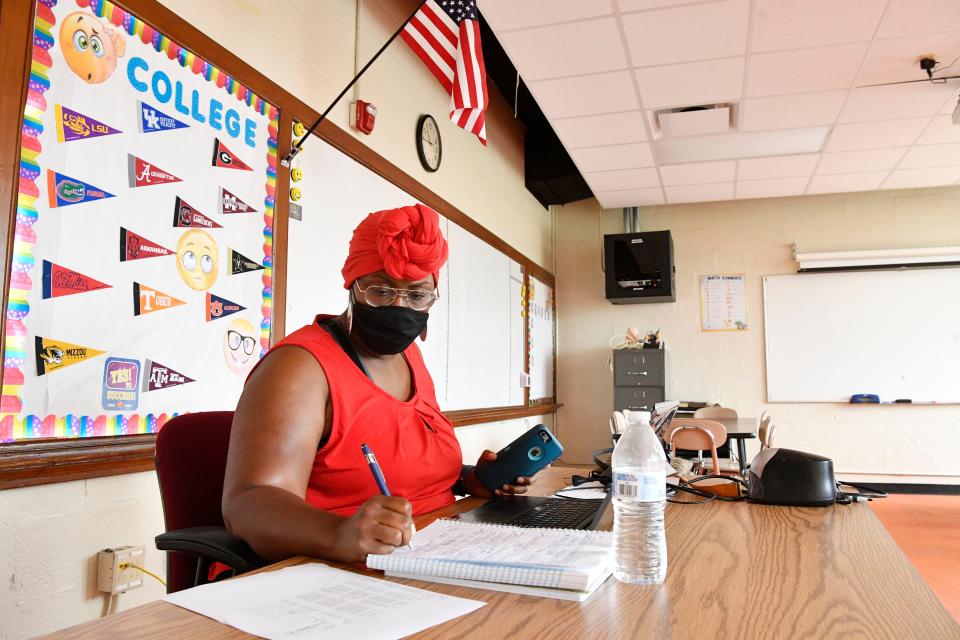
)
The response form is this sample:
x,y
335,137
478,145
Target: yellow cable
x,y
127,565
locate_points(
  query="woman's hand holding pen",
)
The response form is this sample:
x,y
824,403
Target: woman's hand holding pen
x,y
476,488
380,525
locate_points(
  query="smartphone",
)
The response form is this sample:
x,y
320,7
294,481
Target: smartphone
x,y
526,455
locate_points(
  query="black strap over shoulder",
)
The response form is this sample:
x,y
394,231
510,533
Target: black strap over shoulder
x,y
334,329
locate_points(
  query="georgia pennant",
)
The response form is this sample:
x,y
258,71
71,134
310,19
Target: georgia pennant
x,y
223,157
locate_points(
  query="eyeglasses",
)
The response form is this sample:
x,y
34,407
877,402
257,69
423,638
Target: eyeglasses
x,y
382,296
235,339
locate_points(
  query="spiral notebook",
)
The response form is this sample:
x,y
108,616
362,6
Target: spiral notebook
x,y
560,563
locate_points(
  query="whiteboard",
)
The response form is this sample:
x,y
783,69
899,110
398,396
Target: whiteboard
x,y
891,333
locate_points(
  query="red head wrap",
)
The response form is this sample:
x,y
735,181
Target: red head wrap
x,y
404,242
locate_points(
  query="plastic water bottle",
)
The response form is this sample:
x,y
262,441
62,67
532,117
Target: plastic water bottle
x,y
639,497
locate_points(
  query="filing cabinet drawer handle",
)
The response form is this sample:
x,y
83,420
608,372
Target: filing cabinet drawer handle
x,y
636,373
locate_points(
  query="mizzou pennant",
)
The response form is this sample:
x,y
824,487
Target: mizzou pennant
x,y
147,300
185,215
158,376
141,173
136,247
223,157
218,307
73,125
60,281
230,203
63,190
56,354
239,263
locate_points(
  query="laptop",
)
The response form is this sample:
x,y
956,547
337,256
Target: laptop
x,y
539,512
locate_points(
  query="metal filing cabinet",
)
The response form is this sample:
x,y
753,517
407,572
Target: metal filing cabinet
x,y
639,379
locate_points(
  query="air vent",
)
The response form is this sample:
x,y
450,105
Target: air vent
x,y
695,121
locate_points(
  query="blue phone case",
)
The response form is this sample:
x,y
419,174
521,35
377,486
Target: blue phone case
x,y
526,455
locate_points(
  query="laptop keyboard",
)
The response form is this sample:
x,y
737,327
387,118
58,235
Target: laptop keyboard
x,y
558,513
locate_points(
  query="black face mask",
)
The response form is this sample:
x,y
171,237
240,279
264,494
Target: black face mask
x,y
387,330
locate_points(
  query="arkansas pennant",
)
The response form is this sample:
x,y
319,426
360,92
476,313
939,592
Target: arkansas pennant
x,y
135,247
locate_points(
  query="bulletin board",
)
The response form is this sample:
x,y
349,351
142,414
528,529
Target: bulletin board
x,y
541,341
141,279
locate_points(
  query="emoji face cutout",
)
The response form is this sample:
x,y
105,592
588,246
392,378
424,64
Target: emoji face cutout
x,y
197,259
296,174
90,47
240,346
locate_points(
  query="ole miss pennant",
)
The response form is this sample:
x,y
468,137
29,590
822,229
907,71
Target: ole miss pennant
x,y
60,281
135,247
223,157
185,215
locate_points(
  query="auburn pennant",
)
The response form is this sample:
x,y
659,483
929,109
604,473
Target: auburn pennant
x,y
63,190
135,247
185,215
152,120
223,157
161,377
230,203
239,263
218,307
147,300
141,173
59,281
72,125
56,354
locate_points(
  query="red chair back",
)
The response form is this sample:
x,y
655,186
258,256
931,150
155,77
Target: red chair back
x,y
191,459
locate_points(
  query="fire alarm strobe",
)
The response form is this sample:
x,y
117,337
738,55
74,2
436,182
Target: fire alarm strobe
x,y
363,116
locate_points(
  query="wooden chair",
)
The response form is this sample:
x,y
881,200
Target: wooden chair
x,y
711,413
697,435
763,433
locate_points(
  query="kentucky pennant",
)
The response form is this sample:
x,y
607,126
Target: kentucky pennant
x,y
60,281
56,354
218,307
186,216
72,125
136,247
63,191
230,203
239,263
155,120
147,300
161,377
223,157
145,174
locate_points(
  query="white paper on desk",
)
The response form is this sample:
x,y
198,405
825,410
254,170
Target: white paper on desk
x,y
586,491
314,601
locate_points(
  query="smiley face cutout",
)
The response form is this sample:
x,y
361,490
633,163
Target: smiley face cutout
x,y
197,259
240,346
90,46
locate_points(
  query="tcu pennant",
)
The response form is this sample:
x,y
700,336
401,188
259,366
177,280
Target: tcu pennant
x,y
147,300
223,157
55,354
72,125
218,307
136,247
161,377
144,174
230,203
60,281
185,215
239,263
155,120
63,191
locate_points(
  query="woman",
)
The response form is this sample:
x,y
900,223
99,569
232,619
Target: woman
x,y
296,480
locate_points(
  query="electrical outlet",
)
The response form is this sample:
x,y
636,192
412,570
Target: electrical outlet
x,y
112,578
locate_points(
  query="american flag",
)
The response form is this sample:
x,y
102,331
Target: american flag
x,y
445,34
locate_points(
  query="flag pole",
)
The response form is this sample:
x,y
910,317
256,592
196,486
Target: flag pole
x,y
298,145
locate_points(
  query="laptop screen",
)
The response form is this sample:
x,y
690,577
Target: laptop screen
x,y
661,416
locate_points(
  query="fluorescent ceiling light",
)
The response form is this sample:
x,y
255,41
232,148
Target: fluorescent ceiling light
x,y
876,258
730,146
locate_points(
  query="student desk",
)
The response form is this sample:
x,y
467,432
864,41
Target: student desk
x,y
736,570
741,430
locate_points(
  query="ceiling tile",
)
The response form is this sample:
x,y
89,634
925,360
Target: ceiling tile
x,y
777,167
789,24
618,156
594,131
625,179
931,155
589,46
895,101
585,95
697,172
948,106
712,30
876,135
897,60
905,18
630,198
940,130
783,72
692,83
842,182
786,112
503,15
778,187
643,5
931,177
859,161
700,192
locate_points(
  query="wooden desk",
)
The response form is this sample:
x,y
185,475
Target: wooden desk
x,y
736,570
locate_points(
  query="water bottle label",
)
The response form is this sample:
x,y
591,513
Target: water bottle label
x,y
642,487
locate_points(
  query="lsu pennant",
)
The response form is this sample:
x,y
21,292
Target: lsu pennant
x,y
73,125
56,354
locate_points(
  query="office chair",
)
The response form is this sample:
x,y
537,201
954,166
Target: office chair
x,y
191,458
709,413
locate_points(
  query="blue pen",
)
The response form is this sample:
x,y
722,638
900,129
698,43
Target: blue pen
x,y
377,474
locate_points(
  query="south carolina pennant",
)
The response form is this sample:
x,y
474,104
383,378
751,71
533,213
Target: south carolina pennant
x,y
147,300
60,281
136,247
56,354
184,215
218,307
72,125
223,157
63,191
141,173
239,263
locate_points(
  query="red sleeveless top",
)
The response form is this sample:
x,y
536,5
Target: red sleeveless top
x,y
414,442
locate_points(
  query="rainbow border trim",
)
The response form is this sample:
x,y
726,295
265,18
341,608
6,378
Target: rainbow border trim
x,y
14,426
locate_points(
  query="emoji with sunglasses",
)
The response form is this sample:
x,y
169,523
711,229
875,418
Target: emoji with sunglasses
x,y
240,348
